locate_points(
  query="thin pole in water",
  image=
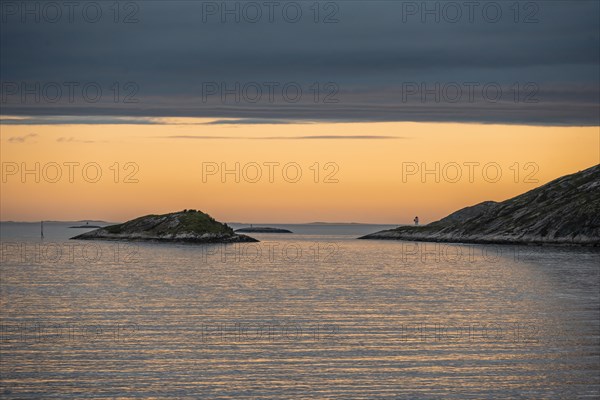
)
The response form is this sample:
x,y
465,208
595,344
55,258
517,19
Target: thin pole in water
x,y
42,229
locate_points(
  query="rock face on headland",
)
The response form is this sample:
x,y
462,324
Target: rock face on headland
x,y
565,211
185,226
262,229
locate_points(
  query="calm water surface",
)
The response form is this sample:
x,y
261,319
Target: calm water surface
x,y
314,314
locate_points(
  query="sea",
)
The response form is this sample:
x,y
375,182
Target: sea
x,y
315,313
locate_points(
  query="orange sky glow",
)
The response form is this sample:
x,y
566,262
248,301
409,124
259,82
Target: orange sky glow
x,y
353,172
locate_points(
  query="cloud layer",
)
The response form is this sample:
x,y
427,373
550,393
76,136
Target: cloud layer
x,y
536,63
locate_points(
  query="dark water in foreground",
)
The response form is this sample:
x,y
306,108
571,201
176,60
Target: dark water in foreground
x,y
314,314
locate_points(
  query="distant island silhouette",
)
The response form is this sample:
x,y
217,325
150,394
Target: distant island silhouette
x,y
565,211
87,225
262,229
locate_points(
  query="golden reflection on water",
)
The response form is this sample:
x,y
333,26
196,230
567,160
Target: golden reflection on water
x,y
370,319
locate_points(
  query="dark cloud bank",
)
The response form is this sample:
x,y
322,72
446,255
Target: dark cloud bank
x,y
492,62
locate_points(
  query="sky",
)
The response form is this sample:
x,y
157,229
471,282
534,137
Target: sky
x,y
358,97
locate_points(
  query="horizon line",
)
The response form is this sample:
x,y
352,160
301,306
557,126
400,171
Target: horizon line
x,y
225,222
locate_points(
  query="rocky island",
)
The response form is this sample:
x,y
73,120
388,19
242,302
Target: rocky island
x,y
565,211
262,229
189,226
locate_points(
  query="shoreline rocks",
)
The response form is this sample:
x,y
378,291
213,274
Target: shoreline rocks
x,y
565,211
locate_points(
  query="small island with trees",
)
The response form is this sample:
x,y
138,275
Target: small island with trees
x,y
189,226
